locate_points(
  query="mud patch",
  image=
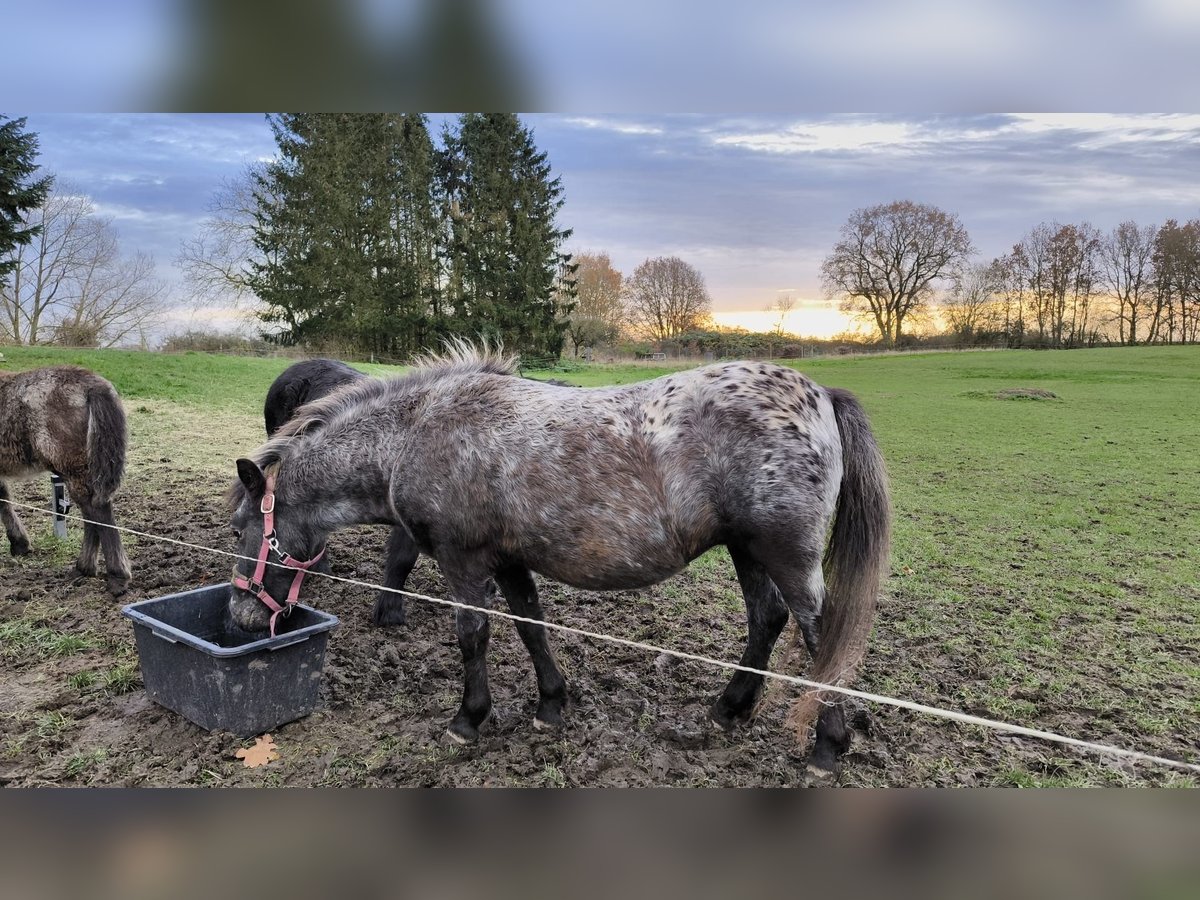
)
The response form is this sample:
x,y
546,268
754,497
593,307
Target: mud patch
x,y
388,693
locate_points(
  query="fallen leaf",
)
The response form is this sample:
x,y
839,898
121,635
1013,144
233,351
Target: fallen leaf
x,y
260,754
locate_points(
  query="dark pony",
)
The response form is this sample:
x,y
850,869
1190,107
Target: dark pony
x,y
499,477
310,380
66,420
301,382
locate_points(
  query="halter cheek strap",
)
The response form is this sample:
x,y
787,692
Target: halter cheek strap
x,y
270,544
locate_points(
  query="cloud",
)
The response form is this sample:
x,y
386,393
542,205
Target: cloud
x,y
618,127
823,137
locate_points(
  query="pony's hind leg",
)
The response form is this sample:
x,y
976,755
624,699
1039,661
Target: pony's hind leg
x,y
521,593
401,556
802,584
89,551
470,586
116,565
18,540
766,615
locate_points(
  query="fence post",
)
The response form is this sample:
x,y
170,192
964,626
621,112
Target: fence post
x,y
61,504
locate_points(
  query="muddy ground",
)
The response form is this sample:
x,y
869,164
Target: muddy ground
x,y
73,712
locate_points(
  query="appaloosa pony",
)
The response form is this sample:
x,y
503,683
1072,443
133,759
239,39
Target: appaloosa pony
x,y
67,420
602,489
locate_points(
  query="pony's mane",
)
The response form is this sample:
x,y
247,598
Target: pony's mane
x,y
460,356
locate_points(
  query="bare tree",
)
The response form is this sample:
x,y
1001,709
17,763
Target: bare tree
x,y
42,269
216,262
781,307
115,297
1127,268
1175,315
889,257
1011,297
666,297
973,304
71,283
1058,267
599,313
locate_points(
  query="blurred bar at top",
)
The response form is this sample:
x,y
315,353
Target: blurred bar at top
x,y
590,55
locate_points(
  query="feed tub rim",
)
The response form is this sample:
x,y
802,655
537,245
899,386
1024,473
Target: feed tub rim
x,y
175,635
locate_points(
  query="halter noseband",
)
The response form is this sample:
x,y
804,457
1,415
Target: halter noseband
x,y
270,543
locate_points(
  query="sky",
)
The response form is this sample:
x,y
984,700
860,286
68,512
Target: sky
x,y
753,201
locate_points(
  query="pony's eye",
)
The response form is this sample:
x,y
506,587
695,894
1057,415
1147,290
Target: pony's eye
x,y
237,532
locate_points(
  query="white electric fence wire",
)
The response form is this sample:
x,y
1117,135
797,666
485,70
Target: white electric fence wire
x,y
952,715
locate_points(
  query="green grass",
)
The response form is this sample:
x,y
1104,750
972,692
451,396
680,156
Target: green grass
x,y
21,638
604,374
202,379
81,763
121,678
84,680
53,724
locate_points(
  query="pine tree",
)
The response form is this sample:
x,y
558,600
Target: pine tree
x,y
507,279
19,192
347,231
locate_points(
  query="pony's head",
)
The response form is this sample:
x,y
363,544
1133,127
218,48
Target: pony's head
x,y
280,540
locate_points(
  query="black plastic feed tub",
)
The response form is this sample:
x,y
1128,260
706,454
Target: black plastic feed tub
x,y
195,662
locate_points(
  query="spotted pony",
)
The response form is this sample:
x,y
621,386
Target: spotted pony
x,y
602,489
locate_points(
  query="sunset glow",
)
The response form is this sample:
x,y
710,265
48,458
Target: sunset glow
x,y
813,318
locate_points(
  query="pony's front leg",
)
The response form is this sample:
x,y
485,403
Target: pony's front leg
x,y
18,540
521,592
473,629
402,555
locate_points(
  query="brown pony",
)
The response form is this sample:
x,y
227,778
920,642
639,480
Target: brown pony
x,y
66,420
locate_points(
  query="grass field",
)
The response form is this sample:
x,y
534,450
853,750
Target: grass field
x,y
1044,567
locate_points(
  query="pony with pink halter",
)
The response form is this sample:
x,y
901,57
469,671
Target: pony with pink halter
x,y
270,544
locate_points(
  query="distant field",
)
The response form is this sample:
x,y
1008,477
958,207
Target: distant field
x,y
196,378
1044,568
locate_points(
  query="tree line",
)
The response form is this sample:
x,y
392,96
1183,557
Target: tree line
x,y
1059,286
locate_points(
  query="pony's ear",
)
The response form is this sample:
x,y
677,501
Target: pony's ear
x,y
251,476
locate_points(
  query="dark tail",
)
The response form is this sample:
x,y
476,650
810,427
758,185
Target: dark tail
x,y
106,439
855,559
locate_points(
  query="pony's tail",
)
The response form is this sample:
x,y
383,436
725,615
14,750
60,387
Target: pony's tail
x,y
106,439
855,560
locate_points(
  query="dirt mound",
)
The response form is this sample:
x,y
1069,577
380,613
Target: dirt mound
x,y
1025,394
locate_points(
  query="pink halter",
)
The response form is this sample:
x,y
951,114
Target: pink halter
x,y
270,543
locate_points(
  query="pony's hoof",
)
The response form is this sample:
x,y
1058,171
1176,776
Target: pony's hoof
x,y
728,719
19,547
462,734
549,715
388,611
464,731
117,585
824,765
86,570
816,776
547,722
